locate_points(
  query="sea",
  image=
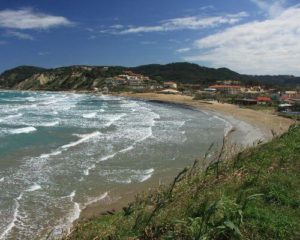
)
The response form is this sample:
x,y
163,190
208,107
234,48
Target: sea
x,y
60,152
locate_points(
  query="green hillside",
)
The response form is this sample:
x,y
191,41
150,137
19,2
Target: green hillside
x,y
89,77
10,78
255,195
187,73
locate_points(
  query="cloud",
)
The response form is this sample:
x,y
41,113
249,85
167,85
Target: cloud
x,y
43,53
2,42
148,42
183,50
207,7
19,35
192,23
92,37
29,19
272,8
270,46
117,26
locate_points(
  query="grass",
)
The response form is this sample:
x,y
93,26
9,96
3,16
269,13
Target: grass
x,y
254,195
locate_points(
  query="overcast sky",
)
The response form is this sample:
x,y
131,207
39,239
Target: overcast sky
x,y
248,36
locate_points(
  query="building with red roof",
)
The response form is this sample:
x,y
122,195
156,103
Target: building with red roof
x,y
263,100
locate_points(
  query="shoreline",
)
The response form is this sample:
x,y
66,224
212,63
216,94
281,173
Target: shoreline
x,y
250,127
262,120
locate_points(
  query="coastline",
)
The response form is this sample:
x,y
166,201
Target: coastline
x,y
250,127
264,121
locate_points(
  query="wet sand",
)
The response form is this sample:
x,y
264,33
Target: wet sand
x,y
250,126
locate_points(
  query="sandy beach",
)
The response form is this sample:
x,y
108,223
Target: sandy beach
x,y
250,127
267,122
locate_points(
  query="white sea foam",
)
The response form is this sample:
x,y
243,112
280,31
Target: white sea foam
x,y
72,195
22,130
12,223
32,106
2,179
55,153
20,196
127,149
97,199
90,115
146,175
85,138
148,135
49,124
114,154
86,172
30,99
228,125
107,157
151,170
34,187
76,211
181,124
114,119
14,116
127,181
145,178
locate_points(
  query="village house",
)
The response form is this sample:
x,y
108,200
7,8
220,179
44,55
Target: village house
x,y
227,89
264,100
229,82
252,90
172,85
115,81
132,80
191,86
291,94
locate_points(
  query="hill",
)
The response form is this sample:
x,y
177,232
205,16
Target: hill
x,y
187,73
64,78
12,77
254,195
90,77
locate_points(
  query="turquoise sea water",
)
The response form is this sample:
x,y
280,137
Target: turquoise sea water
x,y
62,151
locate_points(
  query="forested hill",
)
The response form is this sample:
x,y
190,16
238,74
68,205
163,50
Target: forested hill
x,y
187,73
88,77
194,74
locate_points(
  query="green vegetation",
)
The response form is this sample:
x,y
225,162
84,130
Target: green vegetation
x,y
188,73
90,77
10,78
295,117
254,195
270,108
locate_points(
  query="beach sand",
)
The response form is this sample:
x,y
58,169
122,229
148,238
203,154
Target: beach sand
x,y
266,121
250,126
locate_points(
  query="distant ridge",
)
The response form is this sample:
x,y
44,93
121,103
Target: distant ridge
x,y
82,77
